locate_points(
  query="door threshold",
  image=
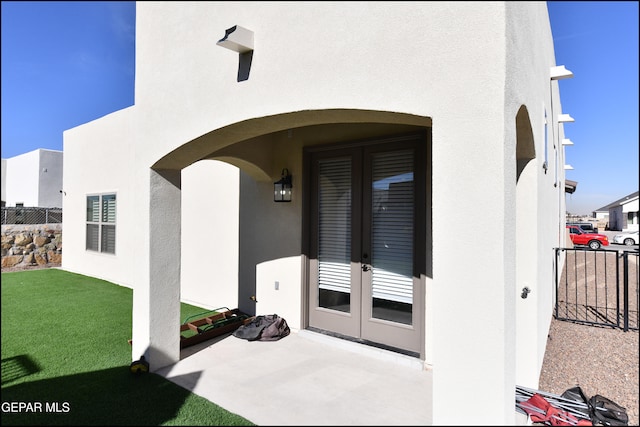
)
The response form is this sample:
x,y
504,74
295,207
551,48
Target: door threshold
x,y
357,345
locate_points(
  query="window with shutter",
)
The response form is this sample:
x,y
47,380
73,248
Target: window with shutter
x,y
101,223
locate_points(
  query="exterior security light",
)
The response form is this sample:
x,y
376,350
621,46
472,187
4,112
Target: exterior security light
x,y
238,39
282,188
568,167
567,141
560,72
564,118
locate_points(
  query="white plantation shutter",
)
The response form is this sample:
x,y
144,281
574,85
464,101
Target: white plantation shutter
x,y
93,216
101,223
108,242
93,208
92,237
109,208
334,207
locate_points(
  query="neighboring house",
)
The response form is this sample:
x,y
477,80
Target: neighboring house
x,y
398,122
600,214
602,218
623,213
33,179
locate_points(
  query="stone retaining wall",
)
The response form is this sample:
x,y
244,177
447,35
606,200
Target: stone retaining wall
x,y
30,245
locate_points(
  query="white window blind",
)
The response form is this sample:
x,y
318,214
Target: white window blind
x,y
392,231
334,210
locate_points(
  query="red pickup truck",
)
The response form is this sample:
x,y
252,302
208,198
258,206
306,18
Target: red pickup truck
x,y
582,238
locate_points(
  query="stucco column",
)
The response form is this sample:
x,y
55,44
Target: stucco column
x,y
531,304
473,284
164,269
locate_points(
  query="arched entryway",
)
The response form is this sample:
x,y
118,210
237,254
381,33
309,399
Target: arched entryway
x,y
269,232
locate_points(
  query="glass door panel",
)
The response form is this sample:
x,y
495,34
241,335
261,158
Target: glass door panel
x,y
334,234
366,221
392,228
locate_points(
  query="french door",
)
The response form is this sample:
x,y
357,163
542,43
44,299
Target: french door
x,y
367,241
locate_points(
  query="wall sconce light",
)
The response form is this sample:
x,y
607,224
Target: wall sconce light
x,y
560,72
238,39
282,188
565,118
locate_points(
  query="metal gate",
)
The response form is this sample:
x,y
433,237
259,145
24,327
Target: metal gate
x,y
597,287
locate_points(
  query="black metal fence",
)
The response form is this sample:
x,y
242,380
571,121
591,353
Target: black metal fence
x,y
597,287
30,215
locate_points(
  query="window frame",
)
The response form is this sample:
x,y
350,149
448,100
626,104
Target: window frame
x,y
101,216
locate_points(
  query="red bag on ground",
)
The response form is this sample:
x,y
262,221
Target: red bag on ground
x,y
536,407
541,411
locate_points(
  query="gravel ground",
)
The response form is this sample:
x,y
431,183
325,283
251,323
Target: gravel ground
x,y
28,267
600,360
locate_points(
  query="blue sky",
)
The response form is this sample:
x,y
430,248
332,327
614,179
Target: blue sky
x,y
598,42
63,64
68,63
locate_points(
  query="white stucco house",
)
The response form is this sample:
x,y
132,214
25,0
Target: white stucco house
x,y
623,213
33,179
601,214
397,122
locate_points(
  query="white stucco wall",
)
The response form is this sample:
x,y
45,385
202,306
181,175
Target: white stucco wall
x,y
33,178
630,206
279,281
469,67
600,215
540,199
209,259
99,159
619,215
23,179
50,178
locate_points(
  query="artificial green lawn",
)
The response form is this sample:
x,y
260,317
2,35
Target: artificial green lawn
x,y
65,353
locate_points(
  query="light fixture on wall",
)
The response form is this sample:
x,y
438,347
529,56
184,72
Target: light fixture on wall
x,y
282,188
565,118
560,72
239,39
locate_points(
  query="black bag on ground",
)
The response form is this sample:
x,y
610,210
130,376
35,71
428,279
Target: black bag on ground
x,y
606,412
270,327
577,395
